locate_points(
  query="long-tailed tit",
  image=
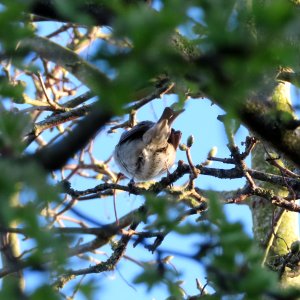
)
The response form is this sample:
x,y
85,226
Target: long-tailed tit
x,y
148,149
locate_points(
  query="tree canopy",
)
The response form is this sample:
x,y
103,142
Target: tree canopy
x,y
74,72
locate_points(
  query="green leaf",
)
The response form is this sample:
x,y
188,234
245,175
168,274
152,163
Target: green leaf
x,y
45,292
215,212
151,277
12,129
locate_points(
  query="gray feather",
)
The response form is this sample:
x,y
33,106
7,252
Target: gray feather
x,y
136,132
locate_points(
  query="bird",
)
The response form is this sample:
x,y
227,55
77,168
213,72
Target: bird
x,y
148,150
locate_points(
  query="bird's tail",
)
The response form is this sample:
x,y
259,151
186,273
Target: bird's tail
x,y
170,115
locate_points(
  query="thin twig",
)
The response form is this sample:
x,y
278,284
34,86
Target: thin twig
x,y
51,103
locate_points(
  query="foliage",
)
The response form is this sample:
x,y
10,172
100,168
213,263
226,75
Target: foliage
x,y
57,92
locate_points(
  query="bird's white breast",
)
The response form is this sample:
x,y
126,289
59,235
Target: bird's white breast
x,y
143,162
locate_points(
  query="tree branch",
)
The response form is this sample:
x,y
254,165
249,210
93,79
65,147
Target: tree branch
x,y
99,12
56,120
55,156
260,119
69,60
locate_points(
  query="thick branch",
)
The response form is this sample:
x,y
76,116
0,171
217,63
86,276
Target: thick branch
x,y
69,60
283,136
55,156
183,169
55,120
99,12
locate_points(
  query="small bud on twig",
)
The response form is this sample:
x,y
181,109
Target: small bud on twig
x,y
295,247
190,141
183,147
212,153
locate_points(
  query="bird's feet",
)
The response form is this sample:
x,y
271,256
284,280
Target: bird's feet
x,y
131,185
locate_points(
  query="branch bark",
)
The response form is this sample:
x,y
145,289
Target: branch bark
x,y
67,59
99,12
55,156
274,228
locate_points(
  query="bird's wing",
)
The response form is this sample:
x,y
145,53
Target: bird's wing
x,y
136,132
